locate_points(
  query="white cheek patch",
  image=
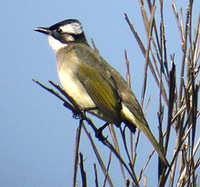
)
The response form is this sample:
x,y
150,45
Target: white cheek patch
x,y
55,44
72,28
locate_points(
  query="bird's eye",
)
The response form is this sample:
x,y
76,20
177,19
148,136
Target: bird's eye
x,y
59,30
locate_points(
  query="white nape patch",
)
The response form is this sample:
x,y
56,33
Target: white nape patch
x,y
72,28
55,44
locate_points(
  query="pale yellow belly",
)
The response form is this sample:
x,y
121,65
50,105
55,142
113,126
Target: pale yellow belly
x,y
75,89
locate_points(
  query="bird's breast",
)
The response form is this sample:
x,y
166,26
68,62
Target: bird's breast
x,y
67,67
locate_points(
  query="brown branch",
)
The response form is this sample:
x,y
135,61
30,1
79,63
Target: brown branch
x,y
76,152
96,176
83,173
107,169
147,54
114,138
98,156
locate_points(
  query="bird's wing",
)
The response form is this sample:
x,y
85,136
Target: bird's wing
x,y
130,102
98,82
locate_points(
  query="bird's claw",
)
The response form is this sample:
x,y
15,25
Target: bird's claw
x,y
99,134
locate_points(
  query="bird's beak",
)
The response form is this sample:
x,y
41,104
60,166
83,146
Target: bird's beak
x,y
43,30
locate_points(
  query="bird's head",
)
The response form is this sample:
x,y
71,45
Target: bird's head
x,y
63,33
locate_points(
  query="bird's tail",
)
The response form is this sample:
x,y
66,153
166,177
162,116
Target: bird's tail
x,y
135,118
145,129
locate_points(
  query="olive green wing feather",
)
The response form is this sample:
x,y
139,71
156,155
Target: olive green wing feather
x,y
99,84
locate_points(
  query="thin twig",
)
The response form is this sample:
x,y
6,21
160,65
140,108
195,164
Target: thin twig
x,y
132,174
83,173
94,46
147,162
96,176
67,104
108,166
172,92
147,54
97,154
77,144
114,138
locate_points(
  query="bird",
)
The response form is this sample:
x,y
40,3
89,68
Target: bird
x,y
92,83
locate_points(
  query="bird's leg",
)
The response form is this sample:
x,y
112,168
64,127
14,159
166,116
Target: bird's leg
x,y
99,134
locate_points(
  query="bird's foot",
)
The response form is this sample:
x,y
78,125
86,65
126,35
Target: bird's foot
x,y
99,134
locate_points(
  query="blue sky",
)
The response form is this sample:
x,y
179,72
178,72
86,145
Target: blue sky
x,y
37,133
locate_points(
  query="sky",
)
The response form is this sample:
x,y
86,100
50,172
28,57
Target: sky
x,y
37,134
